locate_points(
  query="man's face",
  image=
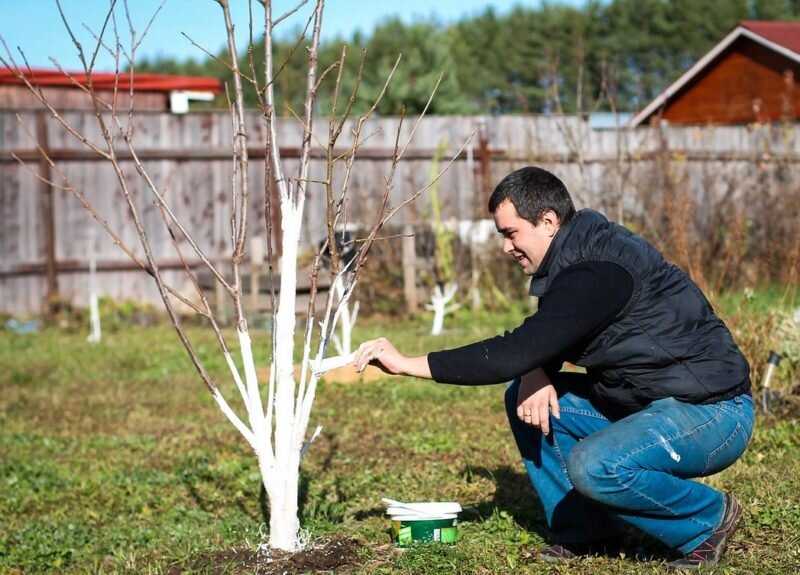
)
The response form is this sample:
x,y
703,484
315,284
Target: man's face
x,y
521,239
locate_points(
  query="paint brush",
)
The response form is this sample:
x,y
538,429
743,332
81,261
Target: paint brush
x,y
329,363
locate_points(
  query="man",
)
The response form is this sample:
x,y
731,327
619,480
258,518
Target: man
x,y
666,393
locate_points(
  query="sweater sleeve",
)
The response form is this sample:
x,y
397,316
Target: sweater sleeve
x,y
582,300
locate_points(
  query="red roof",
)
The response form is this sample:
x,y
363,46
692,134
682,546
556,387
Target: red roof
x,y
786,34
782,37
142,82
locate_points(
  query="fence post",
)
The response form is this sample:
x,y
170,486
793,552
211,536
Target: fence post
x,y
53,297
485,161
410,269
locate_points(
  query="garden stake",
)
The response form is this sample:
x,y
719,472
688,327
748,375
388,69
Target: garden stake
x,y
772,363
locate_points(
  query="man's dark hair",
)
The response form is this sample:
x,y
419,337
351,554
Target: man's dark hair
x,y
532,191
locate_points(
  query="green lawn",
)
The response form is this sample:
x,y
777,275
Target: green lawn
x,y
116,460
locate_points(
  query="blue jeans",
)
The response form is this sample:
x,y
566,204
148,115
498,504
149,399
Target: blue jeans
x,y
593,472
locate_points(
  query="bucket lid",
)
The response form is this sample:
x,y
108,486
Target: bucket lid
x,y
404,518
426,508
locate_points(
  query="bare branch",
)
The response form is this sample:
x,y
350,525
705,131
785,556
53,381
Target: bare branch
x,y
288,12
241,163
147,27
87,67
36,90
164,292
311,92
216,58
162,202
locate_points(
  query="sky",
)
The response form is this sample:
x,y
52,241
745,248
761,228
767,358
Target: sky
x,y
36,27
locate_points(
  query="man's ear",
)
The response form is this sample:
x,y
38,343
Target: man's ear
x,y
550,222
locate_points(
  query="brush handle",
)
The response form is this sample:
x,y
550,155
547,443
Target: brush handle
x,y
330,363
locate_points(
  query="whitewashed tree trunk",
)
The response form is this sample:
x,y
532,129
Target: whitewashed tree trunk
x,y
281,484
439,300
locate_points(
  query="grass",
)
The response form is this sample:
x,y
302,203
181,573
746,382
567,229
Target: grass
x,y
115,460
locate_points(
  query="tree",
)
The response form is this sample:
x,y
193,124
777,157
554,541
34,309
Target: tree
x,y
425,52
775,9
503,63
480,48
444,268
274,427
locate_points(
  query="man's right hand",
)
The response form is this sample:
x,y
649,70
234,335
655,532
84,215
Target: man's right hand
x,y
535,400
380,353
383,354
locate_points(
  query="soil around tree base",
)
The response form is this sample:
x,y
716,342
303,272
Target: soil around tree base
x,y
325,555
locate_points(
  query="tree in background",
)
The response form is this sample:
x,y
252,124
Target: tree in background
x,y
497,67
445,278
502,63
425,52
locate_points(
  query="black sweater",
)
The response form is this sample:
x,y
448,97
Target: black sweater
x,y
582,300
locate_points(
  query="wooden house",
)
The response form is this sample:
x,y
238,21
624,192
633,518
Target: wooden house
x,y
752,75
66,90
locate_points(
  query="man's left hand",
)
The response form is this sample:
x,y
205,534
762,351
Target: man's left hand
x,y
535,400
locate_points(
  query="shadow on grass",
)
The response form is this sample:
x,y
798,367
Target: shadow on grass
x,y
513,495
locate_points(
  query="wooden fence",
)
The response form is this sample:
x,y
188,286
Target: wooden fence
x,y
46,235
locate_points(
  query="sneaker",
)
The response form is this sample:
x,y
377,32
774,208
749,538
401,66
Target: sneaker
x,y
565,551
710,551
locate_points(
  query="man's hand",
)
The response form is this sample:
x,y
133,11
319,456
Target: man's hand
x,y
382,354
535,399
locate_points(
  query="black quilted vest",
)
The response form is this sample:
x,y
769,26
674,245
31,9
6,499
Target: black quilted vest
x,y
667,342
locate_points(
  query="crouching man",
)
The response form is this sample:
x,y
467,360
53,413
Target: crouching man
x,y
665,397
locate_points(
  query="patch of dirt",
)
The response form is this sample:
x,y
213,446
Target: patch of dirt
x,y
324,556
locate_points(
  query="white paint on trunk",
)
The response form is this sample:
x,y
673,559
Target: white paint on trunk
x,y
281,479
281,486
273,432
234,419
255,408
238,379
285,322
344,344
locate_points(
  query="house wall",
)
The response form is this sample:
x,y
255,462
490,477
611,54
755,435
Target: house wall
x,y
749,83
20,98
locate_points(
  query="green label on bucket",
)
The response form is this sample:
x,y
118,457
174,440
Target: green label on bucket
x,y
449,534
404,536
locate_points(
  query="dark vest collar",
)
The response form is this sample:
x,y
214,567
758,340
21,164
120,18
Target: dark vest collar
x,y
539,279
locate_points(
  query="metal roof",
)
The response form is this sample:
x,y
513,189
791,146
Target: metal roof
x,y
143,82
786,34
